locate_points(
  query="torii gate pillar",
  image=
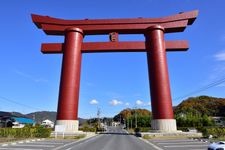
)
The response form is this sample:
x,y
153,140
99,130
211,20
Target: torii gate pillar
x,y
67,113
154,45
163,118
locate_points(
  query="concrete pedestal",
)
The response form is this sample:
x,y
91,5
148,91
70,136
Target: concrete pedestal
x,y
68,125
164,125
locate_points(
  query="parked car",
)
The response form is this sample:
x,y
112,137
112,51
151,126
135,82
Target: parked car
x,y
217,146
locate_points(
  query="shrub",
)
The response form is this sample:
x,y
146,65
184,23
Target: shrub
x,y
88,129
137,130
26,132
144,129
214,131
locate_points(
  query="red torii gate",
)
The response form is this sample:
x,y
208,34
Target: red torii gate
x,y
155,46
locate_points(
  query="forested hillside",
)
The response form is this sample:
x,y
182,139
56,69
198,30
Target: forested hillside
x,y
203,105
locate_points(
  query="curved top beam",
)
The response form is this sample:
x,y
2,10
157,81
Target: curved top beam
x,y
174,23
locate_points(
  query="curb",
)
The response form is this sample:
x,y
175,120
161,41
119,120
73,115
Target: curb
x,y
20,142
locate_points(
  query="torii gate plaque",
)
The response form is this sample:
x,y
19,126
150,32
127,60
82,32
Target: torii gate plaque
x,y
155,46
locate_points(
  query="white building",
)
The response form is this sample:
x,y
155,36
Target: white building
x,y
48,123
115,124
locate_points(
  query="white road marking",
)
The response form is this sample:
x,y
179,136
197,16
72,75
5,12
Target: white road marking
x,y
33,145
68,144
185,146
174,140
197,149
179,143
153,145
10,148
46,142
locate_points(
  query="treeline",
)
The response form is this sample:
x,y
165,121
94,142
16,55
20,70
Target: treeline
x,y
202,105
134,117
193,112
198,111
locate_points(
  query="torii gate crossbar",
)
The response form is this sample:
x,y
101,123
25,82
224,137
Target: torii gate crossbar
x,y
154,45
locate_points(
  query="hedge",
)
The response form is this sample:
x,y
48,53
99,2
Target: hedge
x,y
26,132
217,132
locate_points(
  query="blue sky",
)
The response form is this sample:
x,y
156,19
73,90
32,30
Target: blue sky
x,y
29,80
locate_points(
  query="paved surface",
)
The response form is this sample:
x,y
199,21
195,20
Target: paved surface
x,y
113,139
180,144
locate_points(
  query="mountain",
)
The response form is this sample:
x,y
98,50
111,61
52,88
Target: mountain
x,y
39,116
51,115
42,115
207,105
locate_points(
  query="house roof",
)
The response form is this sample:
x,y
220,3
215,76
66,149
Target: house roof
x,y
24,120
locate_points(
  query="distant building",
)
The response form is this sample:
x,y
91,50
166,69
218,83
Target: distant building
x,y
220,121
20,122
115,124
5,119
48,123
9,120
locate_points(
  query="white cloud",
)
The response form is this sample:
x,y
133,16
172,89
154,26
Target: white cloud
x,y
139,102
93,102
220,56
127,104
115,102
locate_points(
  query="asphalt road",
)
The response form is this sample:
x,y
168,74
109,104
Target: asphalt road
x,y
114,139
180,144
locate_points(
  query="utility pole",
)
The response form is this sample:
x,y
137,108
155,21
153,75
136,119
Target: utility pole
x,y
127,124
34,119
120,120
131,123
98,115
135,118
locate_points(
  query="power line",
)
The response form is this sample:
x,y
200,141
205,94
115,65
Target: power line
x,y
213,84
21,104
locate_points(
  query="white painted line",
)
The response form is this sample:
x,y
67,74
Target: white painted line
x,y
51,143
19,149
85,141
172,140
31,145
153,145
197,149
68,144
179,143
5,144
185,146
